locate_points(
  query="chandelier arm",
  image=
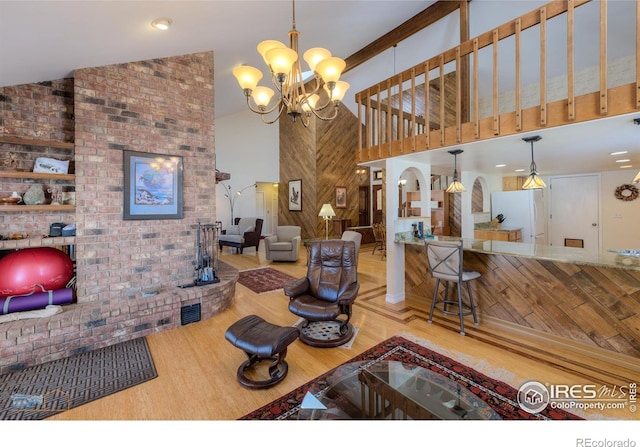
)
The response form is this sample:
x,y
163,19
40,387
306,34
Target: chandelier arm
x,y
263,115
326,118
262,112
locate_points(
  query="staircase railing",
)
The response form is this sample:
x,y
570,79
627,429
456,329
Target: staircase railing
x,y
400,116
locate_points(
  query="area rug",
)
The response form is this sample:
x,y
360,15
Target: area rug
x,y
41,391
500,396
264,279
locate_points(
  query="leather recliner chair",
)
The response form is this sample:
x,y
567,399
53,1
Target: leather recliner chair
x,y
327,292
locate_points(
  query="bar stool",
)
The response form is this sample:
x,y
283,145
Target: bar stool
x,y
444,259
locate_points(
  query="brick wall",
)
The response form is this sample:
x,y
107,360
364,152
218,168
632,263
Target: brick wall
x,y
162,106
42,111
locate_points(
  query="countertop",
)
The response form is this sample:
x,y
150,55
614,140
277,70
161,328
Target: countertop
x,y
546,252
502,228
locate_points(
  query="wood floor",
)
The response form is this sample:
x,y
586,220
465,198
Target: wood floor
x,y
197,366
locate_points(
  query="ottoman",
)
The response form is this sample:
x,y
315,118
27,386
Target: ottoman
x,y
261,340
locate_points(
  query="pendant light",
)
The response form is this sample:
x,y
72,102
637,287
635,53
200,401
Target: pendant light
x,y
533,181
636,179
455,185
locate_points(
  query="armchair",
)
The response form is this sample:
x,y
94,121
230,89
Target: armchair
x,y
245,233
284,245
328,291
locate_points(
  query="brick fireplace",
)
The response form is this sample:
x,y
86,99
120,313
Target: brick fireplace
x,y
161,106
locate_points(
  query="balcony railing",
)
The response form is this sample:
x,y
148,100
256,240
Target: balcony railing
x,y
400,116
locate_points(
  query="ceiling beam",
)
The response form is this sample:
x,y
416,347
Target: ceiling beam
x,y
423,19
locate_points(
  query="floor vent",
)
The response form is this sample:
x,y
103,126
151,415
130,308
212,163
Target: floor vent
x,y
190,314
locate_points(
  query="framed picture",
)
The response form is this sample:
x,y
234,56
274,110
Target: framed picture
x,y
295,195
377,175
152,186
341,197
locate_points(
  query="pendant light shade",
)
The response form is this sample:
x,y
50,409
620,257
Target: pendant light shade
x,y
533,181
636,179
455,185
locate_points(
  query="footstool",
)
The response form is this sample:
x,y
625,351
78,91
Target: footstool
x,y
261,340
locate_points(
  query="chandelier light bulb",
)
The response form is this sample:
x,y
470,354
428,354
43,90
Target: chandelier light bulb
x,y
330,69
314,55
281,60
310,103
267,45
339,90
248,77
262,96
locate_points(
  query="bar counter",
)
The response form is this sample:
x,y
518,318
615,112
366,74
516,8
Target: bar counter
x,y
573,296
543,252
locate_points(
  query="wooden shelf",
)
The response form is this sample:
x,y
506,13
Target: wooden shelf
x,y
37,175
15,244
34,142
37,208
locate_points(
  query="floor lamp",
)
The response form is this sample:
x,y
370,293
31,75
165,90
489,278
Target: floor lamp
x,y
326,212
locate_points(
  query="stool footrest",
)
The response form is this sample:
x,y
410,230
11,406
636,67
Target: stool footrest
x,y
261,341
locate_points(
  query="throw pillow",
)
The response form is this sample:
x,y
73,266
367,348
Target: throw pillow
x,y
233,229
250,229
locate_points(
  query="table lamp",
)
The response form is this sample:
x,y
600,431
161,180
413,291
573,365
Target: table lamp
x,y
326,212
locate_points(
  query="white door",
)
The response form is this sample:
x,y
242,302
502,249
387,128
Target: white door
x,y
575,211
260,211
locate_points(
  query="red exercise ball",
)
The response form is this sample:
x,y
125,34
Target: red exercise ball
x,y
22,270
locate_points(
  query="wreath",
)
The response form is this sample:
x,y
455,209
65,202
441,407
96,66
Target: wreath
x,y
626,193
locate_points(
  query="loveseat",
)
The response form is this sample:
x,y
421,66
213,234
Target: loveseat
x,y
245,233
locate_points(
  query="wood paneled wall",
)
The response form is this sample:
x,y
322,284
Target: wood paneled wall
x,y
586,304
323,156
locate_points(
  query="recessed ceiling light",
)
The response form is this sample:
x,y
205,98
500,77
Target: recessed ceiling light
x,y
500,166
623,160
519,170
162,23
626,166
617,153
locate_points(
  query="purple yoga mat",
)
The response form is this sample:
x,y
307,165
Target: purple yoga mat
x,y
38,300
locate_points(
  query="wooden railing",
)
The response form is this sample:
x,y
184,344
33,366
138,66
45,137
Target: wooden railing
x,y
400,116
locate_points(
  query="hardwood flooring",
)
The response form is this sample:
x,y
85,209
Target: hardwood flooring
x,y
197,366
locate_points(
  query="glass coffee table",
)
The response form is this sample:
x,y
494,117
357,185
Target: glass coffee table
x,y
391,390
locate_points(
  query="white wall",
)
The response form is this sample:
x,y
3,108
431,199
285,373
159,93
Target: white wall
x,y
248,149
619,233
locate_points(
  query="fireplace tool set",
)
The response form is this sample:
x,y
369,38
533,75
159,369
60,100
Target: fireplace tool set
x,y
206,256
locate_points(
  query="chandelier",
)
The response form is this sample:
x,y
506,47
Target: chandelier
x,y
288,79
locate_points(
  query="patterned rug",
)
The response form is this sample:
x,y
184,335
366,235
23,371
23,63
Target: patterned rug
x,y
500,396
264,280
41,391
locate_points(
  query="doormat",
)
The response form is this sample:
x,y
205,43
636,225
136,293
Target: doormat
x,y
40,391
264,280
500,396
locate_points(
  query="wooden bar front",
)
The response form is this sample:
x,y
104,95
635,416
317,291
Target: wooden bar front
x,y
593,305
